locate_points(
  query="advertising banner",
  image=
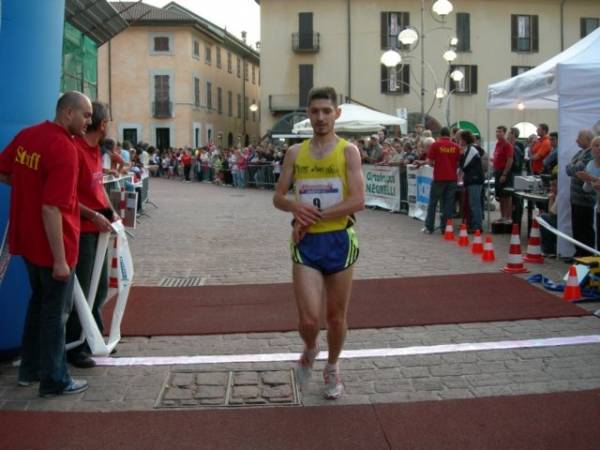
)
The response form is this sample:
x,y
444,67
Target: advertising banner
x,y
419,185
382,187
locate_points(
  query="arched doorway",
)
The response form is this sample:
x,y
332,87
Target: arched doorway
x,y
246,141
230,139
431,123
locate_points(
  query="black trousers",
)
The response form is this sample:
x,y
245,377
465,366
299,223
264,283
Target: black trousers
x,y
84,269
582,221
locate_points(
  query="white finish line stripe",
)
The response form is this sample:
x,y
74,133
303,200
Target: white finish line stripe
x,y
348,354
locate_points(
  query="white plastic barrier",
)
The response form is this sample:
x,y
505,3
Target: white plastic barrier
x,y
566,237
91,333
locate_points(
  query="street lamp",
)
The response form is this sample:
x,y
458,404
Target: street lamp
x,y
410,37
442,7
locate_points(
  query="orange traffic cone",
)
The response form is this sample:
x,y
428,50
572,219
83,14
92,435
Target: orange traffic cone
x,y
449,232
477,247
488,254
572,291
534,249
113,279
463,237
515,258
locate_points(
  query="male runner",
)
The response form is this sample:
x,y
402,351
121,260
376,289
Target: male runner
x,y
329,187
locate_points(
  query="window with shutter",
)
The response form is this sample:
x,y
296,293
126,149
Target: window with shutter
x,y
588,24
229,103
196,92
161,44
468,85
218,57
392,23
395,80
524,33
518,70
208,95
219,100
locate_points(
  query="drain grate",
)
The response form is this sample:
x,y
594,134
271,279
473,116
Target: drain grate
x,y
229,389
181,281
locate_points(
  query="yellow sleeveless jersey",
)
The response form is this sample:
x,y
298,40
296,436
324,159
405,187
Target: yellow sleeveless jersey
x,y
322,183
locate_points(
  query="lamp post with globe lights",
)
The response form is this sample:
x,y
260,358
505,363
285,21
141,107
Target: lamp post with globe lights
x,y
410,38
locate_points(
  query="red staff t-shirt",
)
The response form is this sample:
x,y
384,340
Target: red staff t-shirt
x,y
502,152
445,155
43,164
90,188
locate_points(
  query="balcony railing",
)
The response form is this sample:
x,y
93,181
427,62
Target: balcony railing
x,y
285,102
162,109
306,42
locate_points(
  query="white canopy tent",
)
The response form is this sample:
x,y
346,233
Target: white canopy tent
x,y
354,119
570,83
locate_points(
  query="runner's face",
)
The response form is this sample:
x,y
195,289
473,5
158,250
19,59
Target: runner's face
x,y
322,114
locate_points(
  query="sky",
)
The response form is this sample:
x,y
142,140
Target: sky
x,y
235,15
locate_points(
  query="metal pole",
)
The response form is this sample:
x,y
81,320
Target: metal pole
x,y
423,63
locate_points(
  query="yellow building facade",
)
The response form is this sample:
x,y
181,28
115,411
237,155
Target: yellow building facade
x,y
173,79
340,43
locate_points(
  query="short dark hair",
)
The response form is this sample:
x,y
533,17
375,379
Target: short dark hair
x,y
445,131
467,136
325,93
100,112
544,127
554,134
501,127
515,132
126,145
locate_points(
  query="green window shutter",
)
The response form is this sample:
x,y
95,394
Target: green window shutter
x,y
384,79
405,88
473,79
384,30
514,33
535,46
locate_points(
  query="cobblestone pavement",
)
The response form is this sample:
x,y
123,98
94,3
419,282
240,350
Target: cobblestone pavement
x,y
228,236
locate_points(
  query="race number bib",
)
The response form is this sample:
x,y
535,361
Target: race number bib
x,y
320,192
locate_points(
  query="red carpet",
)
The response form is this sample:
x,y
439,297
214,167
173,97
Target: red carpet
x,y
549,421
155,311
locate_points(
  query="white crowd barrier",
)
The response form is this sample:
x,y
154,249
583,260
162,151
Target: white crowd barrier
x,y
566,237
124,274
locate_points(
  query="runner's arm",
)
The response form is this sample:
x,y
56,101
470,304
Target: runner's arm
x,y
306,215
356,187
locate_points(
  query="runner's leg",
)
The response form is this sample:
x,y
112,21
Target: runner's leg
x,y
308,290
338,288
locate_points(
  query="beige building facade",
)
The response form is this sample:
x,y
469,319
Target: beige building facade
x,y
173,79
307,43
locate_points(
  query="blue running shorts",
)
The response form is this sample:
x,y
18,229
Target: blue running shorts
x,y
329,252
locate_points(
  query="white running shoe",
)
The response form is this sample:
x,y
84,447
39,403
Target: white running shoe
x,y
303,369
334,388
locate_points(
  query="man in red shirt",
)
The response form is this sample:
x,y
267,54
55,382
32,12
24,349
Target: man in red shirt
x,y
541,149
186,160
503,161
96,217
444,156
41,164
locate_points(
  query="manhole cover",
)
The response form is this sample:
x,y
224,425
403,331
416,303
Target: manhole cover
x,y
229,389
181,281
